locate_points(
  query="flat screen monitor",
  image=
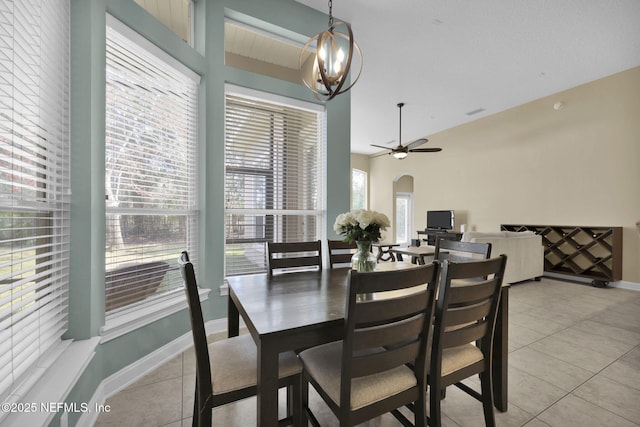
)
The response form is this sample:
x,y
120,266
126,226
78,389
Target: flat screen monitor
x,y
440,220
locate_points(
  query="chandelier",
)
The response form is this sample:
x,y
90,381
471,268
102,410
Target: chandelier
x,y
326,70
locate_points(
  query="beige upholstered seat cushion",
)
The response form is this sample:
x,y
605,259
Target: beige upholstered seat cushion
x,y
323,363
234,364
456,358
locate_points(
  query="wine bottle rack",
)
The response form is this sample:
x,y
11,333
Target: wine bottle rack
x,y
589,252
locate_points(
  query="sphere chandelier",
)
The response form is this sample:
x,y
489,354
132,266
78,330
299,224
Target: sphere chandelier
x,y
326,70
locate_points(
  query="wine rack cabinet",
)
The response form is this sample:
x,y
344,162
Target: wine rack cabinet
x,y
589,252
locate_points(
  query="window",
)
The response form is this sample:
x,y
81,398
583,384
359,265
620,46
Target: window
x,y
150,171
34,184
404,220
274,177
358,189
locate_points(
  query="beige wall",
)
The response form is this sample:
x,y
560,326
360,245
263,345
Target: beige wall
x,y
360,161
532,164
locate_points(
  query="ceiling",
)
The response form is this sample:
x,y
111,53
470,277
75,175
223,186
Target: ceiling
x,y
453,61
446,59
175,14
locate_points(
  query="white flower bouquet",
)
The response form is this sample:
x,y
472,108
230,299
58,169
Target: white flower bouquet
x,y
361,225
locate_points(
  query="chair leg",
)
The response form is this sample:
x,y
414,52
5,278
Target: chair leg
x,y
289,401
296,402
487,398
420,412
307,415
195,420
435,416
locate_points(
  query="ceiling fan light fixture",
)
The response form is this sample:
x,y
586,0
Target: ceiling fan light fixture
x,y
327,71
402,151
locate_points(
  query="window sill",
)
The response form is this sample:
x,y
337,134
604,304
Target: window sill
x,y
141,315
50,384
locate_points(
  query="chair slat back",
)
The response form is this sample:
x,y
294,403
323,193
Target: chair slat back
x,y
340,252
388,320
203,366
466,312
461,251
294,254
393,308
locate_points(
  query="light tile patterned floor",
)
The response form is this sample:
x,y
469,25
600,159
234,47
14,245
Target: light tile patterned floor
x,y
574,360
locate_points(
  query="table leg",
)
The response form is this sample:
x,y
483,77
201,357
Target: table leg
x,y
267,390
382,252
501,352
233,318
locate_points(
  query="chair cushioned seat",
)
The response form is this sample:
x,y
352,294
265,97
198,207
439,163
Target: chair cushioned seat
x,y
456,358
234,364
324,364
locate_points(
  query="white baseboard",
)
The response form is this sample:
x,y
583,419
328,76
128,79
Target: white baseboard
x,y
622,284
130,374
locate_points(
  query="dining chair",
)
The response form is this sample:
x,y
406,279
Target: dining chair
x,y
226,370
340,253
463,331
367,374
294,255
461,251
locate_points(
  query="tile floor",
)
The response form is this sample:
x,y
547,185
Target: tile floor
x,y
574,360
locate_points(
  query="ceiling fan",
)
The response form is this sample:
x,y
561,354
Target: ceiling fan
x,y
402,151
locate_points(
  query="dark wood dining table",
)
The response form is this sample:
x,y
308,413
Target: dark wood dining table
x,y
299,310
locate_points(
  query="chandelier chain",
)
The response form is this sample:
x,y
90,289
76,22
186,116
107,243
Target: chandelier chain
x,y
330,13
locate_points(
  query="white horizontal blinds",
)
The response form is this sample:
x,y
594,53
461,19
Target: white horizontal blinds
x,y
34,183
150,176
274,159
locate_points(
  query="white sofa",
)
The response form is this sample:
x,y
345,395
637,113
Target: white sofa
x,y
524,251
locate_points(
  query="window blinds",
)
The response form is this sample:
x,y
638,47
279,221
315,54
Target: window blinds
x,y
151,174
34,183
274,178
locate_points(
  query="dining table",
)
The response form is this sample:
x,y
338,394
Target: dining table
x,y
293,311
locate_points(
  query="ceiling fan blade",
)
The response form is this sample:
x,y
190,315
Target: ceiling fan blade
x,y
425,150
380,146
417,142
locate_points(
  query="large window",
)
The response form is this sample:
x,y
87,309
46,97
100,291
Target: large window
x,y
274,178
150,176
34,184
